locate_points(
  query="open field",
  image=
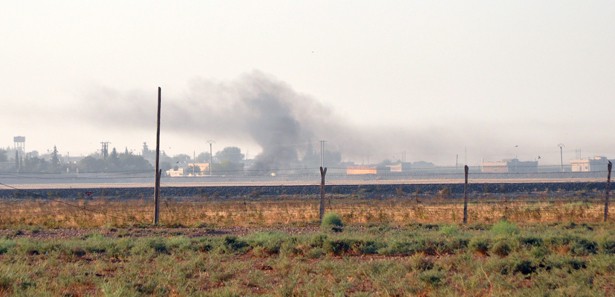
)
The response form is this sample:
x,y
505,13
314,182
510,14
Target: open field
x,y
372,260
293,211
550,244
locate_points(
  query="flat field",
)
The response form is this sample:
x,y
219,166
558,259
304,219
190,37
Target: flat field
x,y
275,246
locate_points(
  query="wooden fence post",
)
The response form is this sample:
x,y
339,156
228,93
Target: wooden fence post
x,y
608,188
465,195
323,172
158,171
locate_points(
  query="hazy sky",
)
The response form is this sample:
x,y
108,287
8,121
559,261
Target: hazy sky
x,y
434,79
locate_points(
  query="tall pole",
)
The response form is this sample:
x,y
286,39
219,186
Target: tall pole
x,y
561,155
322,153
323,172
158,171
465,196
608,189
211,156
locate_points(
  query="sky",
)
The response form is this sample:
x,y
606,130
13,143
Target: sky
x,y
438,81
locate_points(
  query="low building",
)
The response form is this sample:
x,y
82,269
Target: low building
x,y
199,168
597,163
361,170
175,172
509,166
399,167
494,167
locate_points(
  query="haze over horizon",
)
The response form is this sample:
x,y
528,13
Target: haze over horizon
x,y
482,80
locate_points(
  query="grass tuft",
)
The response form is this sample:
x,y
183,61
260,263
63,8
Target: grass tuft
x,y
332,222
504,228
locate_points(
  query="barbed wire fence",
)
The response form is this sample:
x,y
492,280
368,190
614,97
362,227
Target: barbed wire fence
x,y
422,190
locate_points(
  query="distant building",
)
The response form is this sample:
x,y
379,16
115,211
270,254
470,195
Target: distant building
x,y
509,166
361,170
399,167
200,168
597,163
422,165
175,172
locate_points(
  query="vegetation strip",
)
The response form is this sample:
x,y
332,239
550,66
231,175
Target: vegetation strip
x,y
416,259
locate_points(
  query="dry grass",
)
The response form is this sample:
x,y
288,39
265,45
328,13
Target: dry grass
x,y
286,211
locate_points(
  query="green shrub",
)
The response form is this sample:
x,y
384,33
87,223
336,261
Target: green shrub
x,y
270,242
531,241
449,230
96,243
456,244
501,248
422,263
6,284
179,243
540,252
608,246
366,247
290,246
6,245
432,277
315,253
504,228
479,244
332,222
121,247
524,267
576,264
561,240
231,244
318,240
159,245
204,244
401,248
338,246
584,247
503,266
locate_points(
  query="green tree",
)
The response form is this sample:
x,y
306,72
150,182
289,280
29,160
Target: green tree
x,y
229,161
230,154
91,164
132,163
3,157
54,165
113,162
181,159
203,157
33,164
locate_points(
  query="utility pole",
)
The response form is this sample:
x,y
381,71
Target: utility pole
x,y
322,153
323,172
561,155
158,171
211,156
465,196
608,189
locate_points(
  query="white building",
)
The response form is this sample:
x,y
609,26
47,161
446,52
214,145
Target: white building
x,y
597,163
509,166
175,172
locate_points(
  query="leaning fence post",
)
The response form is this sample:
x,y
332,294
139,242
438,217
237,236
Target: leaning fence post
x,y
323,172
465,196
608,188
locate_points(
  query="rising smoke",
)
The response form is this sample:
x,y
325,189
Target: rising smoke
x,y
283,122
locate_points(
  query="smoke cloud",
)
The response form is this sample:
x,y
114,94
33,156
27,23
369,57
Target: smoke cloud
x,y
283,122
